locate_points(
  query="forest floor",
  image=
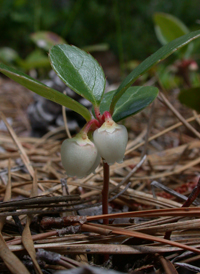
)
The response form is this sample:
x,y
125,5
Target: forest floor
x,y
49,222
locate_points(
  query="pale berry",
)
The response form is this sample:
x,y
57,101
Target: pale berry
x,y
79,156
111,140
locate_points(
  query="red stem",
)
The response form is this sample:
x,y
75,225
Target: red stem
x,y
91,125
102,118
106,115
105,190
98,115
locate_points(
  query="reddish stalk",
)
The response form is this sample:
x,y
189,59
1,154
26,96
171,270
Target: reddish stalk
x,y
91,125
106,116
105,191
98,114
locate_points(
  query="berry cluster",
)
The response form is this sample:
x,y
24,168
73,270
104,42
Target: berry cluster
x,y
80,156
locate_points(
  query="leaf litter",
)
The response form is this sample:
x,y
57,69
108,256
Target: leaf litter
x,y
48,223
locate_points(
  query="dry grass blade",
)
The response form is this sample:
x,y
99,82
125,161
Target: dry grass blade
x,y
196,116
186,212
178,115
192,268
148,199
170,173
99,230
159,134
101,248
125,180
149,125
7,195
27,240
167,265
11,261
22,152
29,246
183,225
41,200
49,234
121,231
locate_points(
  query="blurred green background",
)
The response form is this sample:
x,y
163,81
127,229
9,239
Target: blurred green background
x,y
126,26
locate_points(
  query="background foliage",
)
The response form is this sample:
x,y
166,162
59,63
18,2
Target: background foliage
x,y
127,26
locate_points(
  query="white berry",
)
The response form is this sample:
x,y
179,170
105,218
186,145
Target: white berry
x,y
111,140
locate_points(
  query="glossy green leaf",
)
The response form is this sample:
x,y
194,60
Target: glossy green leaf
x,y
80,71
168,28
132,101
152,60
44,91
191,98
46,39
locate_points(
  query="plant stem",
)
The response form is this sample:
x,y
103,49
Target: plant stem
x,y
107,116
105,190
91,125
98,114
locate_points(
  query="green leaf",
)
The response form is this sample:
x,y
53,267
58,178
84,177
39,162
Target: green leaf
x,y
46,39
191,98
45,91
152,60
132,101
36,59
105,102
168,28
80,71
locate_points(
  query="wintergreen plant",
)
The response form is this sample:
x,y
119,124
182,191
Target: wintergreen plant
x,y
81,72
